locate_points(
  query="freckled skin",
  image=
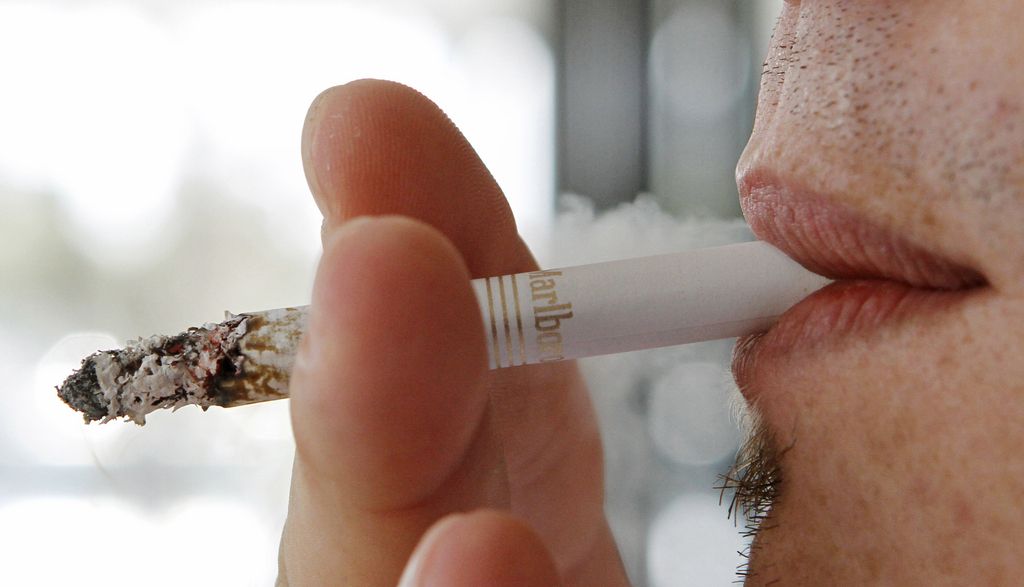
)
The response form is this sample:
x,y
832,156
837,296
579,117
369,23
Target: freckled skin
x,y
906,466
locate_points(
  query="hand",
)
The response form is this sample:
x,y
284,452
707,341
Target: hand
x,y
398,422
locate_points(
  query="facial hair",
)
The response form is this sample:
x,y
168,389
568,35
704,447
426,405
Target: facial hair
x,y
754,479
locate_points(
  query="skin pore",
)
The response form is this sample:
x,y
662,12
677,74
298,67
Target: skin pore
x,y
888,151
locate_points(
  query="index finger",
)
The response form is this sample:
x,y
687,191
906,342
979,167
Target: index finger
x,y
373,147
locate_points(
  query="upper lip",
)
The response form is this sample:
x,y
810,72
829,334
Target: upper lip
x,y
833,240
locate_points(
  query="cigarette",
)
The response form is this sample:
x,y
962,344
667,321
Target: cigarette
x,y
635,304
530,318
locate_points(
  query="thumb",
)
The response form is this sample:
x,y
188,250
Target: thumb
x,y
482,548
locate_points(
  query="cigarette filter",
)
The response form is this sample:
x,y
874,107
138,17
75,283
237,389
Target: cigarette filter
x,y
537,317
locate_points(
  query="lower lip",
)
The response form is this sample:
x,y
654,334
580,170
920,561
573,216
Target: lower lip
x,y
841,312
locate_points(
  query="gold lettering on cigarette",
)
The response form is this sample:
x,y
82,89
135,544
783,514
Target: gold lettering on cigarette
x,y
519,321
494,327
504,315
548,315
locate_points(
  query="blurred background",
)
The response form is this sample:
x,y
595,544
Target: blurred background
x,y
150,179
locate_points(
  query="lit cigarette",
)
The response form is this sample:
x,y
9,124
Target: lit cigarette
x,y
538,317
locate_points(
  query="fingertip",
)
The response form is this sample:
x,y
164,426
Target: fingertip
x,y
346,126
309,127
321,143
373,147
485,547
401,279
388,389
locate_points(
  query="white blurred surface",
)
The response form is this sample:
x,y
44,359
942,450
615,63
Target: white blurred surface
x,y
689,418
150,179
200,541
689,544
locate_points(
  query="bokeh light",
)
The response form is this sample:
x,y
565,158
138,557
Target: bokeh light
x,y
689,417
700,60
691,542
46,431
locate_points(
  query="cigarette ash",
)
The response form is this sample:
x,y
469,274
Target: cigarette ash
x,y
157,372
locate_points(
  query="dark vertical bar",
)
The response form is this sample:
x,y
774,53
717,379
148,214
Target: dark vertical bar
x,y
602,147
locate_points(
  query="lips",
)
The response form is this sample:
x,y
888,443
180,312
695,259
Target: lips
x,y
882,279
834,241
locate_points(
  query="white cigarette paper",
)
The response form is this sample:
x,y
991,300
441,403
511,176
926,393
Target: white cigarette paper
x,y
619,306
538,317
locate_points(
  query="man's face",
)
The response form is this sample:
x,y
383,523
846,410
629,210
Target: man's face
x,y
889,152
